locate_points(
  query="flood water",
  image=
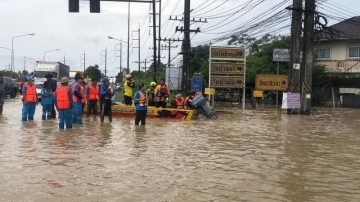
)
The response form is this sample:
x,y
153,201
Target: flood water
x,y
258,155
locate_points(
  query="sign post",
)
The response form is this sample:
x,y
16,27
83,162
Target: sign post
x,y
280,55
227,69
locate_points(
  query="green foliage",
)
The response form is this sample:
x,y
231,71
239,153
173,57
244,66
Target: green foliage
x,y
93,72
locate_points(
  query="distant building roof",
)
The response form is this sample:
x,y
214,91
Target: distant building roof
x,y
345,30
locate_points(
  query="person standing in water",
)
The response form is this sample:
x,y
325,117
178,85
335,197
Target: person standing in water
x,y
128,90
106,92
141,102
29,100
92,97
64,103
3,87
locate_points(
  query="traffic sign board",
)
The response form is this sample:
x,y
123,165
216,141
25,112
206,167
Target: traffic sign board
x,y
196,84
227,81
271,82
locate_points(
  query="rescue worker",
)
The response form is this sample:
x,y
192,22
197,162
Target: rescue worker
x,y
29,100
64,103
150,94
162,94
128,90
141,105
46,101
187,103
106,93
53,83
83,100
3,87
78,94
92,97
179,102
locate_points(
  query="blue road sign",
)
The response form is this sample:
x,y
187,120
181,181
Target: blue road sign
x,y
196,84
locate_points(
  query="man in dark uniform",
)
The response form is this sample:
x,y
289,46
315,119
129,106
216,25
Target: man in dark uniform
x,y
53,84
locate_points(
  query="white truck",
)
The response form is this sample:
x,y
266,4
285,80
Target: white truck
x,y
56,69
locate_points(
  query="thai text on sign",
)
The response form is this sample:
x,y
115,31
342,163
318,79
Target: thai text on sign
x,y
228,53
271,82
227,68
227,81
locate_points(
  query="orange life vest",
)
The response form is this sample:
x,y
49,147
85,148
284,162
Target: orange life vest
x,y
180,103
62,97
93,92
30,95
81,92
143,99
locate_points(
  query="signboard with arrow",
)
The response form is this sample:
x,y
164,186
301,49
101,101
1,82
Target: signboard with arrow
x,y
227,81
271,82
227,68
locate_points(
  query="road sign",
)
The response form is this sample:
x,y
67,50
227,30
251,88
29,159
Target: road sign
x,y
209,91
227,68
281,55
258,93
227,81
196,84
271,82
297,66
227,53
293,100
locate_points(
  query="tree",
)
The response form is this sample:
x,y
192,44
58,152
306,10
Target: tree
x,y
93,72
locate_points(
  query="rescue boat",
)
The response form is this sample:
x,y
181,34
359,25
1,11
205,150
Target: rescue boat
x,y
167,113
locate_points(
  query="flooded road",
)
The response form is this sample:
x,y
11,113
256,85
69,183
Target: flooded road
x,y
253,156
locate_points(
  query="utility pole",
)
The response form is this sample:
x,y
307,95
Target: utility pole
x,y
128,42
84,62
306,72
138,39
105,60
154,38
186,43
159,51
296,25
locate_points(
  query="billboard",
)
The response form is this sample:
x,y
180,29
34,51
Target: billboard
x,y
173,78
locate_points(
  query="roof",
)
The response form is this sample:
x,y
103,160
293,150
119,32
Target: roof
x,y
345,30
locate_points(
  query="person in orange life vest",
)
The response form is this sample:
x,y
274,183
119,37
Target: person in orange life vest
x,y
141,102
78,96
83,90
29,100
162,94
179,102
64,103
187,103
92,96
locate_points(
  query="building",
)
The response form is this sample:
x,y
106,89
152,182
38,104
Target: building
x,y
338,47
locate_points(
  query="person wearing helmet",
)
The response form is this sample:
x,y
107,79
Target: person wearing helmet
x,y
190,97
78,96
29,100
106,93
128,90
150,94
64,103
162,94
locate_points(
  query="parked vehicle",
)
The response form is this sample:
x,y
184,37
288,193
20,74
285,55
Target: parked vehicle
x,y
12,87
39,87
56,69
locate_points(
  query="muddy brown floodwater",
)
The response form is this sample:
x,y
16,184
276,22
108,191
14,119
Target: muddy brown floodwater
x,y
258,155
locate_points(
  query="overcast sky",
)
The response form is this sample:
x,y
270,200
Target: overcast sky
x,y
74,33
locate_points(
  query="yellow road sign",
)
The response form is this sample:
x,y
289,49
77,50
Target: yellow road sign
x,y
209,91
258,93
228,53
227,68
227,81
271,82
